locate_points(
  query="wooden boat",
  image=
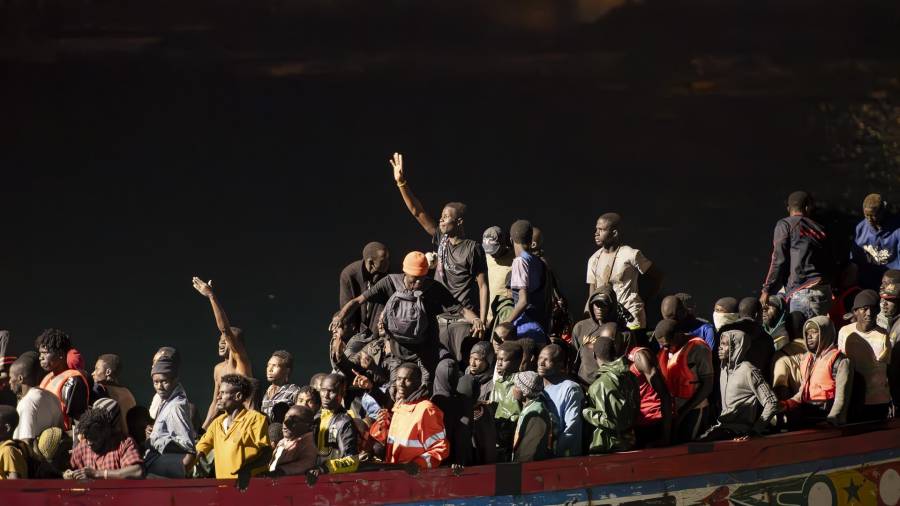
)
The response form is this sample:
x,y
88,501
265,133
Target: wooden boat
x,y
855,465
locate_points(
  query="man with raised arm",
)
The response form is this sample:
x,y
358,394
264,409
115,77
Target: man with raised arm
x,y
461,263
235,359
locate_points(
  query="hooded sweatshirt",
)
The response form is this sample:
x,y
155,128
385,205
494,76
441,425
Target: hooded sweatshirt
x,y
760,347
840,372
748,402
585,329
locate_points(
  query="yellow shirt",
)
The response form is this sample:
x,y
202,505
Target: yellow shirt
x,y
12,460
242,442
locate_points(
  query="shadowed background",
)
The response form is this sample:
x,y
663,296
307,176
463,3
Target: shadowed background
x,y
250,146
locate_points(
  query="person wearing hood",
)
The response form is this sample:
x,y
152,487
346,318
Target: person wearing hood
x,y
890,310
416,432
586,362
786,362
728,318
686,364
774,320
603,307
481,368
748,402
613,399
674,308
827,378
869,350
173,434
535,433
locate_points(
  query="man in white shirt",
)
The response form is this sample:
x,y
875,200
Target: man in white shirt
x,y
38,409
620,266
869,350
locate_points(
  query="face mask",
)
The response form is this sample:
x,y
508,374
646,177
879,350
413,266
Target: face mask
x,y
722,319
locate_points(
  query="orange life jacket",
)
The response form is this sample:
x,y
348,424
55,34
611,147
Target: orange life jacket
x,y
54,383
651,405
678,375
820,384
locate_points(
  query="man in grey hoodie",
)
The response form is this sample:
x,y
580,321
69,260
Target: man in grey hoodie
x,y
748,402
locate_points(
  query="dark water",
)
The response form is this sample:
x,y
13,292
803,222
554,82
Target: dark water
x,y
126,173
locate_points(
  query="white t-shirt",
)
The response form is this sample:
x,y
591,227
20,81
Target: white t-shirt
x,y
38,411
870,354
622,267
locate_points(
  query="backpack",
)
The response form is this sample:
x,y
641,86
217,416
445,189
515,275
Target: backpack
x,y
405,317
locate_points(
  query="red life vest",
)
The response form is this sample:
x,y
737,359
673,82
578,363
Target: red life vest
x,y
679,377
651,405
54,383
820,385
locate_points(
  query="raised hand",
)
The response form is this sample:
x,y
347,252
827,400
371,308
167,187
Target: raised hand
x,y
397,164
204,288
361,382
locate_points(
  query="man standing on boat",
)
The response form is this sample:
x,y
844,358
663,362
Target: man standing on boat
x,y
235,359
358,277
801,260
461,264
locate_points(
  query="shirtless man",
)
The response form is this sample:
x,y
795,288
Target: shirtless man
x,y
231,349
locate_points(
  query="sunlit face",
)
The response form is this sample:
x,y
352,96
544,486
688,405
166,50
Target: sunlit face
x,y
406,382
50,360
450,221
100,371
604,233
331,394
724,347
873,216
507,363
865,317
164,385
477,363
378,263
223,346
812,338
306,399
770,315
277,370
889,308
548,363
230,397
16,381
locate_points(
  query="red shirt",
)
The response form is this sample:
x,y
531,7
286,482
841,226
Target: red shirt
x,y
124,455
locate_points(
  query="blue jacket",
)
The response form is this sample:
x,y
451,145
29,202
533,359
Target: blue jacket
x,y
875,251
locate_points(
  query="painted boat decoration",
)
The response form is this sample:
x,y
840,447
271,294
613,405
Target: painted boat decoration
x,y
856,465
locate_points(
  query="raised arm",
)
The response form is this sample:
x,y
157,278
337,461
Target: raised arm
x,y
238,352
412,203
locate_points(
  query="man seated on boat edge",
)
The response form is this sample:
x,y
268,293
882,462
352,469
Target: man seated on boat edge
x,y
102,452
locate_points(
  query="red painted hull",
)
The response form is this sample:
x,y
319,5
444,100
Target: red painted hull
x,y
558,475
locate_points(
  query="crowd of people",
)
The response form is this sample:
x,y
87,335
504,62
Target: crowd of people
x,y
469,356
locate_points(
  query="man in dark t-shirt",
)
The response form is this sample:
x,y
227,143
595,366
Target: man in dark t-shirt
x,y
435,297
461,264
358,277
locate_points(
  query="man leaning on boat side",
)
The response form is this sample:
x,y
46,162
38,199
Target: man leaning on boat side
x,y
173,434
239,436
826,378
748,402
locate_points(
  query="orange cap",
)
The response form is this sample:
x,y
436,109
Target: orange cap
x,y
415,264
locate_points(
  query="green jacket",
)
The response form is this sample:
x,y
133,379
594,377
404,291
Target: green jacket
x,y
534,433
614,402
501,395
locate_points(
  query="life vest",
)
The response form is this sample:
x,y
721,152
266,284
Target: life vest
x,y
679,377
820,386
651,404
54,384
